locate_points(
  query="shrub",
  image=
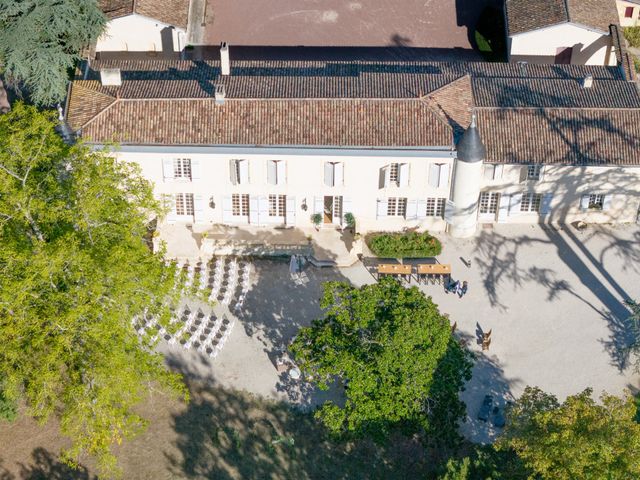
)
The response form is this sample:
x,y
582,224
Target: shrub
x,y
632,34
404,245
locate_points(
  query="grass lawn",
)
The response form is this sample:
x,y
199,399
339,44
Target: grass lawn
x,y
221,434
632,34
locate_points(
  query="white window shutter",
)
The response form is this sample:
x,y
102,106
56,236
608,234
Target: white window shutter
x,y
233,171
244,172
497,171
198,209
584,202
196,171
328,174
489,171
403,175
434,175
412,210
383,177
503,208
168,173
272,172
171,204
281,177
449,211
541,172
443,179
338,174
524,172
253,210
263,210
318,205
514,204
606,203
227,209
545,204
290,218
382,208
421,209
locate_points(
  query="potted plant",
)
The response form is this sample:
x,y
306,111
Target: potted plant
x,y
316,219
350,221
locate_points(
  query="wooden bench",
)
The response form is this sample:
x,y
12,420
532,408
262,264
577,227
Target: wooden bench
x,y
433,272
402,271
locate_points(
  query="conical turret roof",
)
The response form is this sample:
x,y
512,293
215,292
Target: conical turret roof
x,y
470,147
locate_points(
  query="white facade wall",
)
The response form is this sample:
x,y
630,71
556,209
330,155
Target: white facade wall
x,y
540,46
563,189
634,19
135,33
304,183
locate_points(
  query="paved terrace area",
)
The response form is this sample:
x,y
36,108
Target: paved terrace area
x,y
441,25
552,297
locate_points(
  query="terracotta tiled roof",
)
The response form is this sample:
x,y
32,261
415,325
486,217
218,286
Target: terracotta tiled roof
x,y
382,123
562,136
454,103
527,15
85,102
171,12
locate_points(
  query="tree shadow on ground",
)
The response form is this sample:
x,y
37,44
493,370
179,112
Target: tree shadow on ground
x,y
226,434
46,466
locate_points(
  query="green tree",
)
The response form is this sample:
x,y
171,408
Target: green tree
x,y
634,319
394,351
485,463
40,40
575,439
75,270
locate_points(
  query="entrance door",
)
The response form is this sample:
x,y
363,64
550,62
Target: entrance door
x,y
328,210
488,206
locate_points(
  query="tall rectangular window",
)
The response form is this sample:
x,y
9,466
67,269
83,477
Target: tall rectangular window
x,y
435,207
184,203
393,172
182,168
240,205
596,201
530,202
396,206
277,205
628,12
488,203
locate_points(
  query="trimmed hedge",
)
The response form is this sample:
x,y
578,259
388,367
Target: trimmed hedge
x,y
404,245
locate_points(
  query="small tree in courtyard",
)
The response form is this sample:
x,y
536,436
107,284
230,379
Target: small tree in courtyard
x,y
394,351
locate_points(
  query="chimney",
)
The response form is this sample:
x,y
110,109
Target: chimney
x,y
587,81
219,94
110,77
225,63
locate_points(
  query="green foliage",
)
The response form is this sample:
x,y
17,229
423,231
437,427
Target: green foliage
x,y
634,319
394,351
490,35
40,40
8,407
74,271
404,245
575,439
485,463
316,219
632,34
350,220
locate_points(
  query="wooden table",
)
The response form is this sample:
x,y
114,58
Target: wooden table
x,y
395,269
434,271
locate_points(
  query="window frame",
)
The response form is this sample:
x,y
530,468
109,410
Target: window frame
x,y
182,169
596,202
434,207
397,207
184,204
240,204
534,172
277,205
532,201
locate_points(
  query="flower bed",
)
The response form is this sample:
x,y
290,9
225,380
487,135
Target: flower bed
x,y
404,245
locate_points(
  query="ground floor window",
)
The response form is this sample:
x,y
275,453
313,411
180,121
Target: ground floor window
x,y
435,207
531,202
277,205
184,203
396,207
240,205
488,204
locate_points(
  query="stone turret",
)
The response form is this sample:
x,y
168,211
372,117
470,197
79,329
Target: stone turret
x,y
471,152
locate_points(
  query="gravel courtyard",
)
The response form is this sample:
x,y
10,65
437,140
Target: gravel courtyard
x,y
552,298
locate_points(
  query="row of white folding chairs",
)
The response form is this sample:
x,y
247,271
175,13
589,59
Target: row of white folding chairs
x,y
214,350
188,317
214,328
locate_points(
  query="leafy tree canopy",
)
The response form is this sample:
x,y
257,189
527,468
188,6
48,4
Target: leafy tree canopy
x,y
40,40
394,351
74,271
575,439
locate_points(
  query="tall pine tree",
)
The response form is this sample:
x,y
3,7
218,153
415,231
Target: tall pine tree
x,y
40,41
